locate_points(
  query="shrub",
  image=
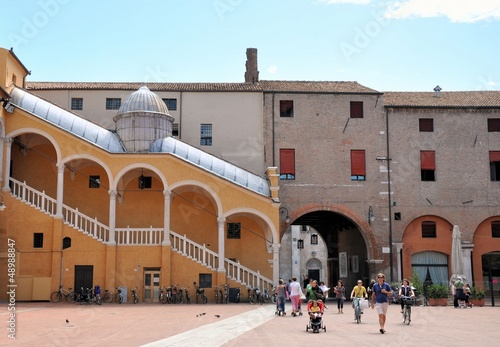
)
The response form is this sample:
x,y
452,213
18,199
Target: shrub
x,y
476,293
437,291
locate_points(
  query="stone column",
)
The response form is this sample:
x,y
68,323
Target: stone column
x,y
60,191
6,187
167,194
112,216
221,222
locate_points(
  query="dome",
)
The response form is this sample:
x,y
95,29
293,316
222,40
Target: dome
x,y
143,100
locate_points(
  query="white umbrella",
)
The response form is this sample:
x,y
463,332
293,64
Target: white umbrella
x,y
457,266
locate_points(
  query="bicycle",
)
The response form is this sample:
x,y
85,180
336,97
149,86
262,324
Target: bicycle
x,y
62,293
408,302
216,294
107,297
135,298
118,296
356,304
200,293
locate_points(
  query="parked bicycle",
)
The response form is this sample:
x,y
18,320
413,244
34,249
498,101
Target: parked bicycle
x,y
188,297
408,302
226,293
216,289
135,297
67,294
84,296
162,298
266,297
118,296
200,294
254,295
107,297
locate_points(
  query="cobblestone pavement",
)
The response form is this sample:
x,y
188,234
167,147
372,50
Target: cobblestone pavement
x,y
48,324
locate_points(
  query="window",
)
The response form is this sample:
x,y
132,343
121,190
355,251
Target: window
x,y
113,103
358,166
38,240
495,229
493,125
205,280
428,229
175,130
94,181
206,135
356,109
287,164
77,104
66,242
495,165
426,125
397,215
233,230
427,165
171,104
286,108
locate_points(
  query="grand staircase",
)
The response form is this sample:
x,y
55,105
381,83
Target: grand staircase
x,y
137,236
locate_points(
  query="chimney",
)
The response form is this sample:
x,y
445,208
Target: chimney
x,y
437,92
252,73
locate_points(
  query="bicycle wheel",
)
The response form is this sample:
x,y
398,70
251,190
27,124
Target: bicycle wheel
x,y
56,297
205,299
358,314
70,297
107,298
120,299
407,315
216,297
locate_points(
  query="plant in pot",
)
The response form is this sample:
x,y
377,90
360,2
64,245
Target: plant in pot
x,y
438,294
476,296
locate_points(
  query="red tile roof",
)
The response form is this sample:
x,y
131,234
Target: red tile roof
x,y
465,99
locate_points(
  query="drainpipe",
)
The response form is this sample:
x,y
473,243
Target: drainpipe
x,y
389,199
272,117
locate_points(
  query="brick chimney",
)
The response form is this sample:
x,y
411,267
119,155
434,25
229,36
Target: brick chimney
x,y
252,73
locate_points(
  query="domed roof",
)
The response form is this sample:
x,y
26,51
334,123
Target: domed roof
x,y
143,100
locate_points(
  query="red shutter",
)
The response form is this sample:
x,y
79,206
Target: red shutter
x,y
356,109
494,156
358,166
427,160
287,161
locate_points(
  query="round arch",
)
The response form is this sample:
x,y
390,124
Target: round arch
x,y
42,133
114,183
212,195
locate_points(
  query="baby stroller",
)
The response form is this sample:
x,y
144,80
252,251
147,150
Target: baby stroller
x,y
315,310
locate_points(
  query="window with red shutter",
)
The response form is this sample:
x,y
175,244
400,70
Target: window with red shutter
x,y
427,165
358,165
287,164
356,109
495,165
426,125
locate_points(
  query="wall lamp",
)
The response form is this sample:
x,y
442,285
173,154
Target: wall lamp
x,y
371,216
2,205
7,105
284,211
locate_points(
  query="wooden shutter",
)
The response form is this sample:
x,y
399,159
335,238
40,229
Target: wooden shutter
x,y
427,160
358,166
356,109
494,156
426,124
493,124
287,161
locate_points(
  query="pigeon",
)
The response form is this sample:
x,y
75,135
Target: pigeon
x,y
67,321
217,315
196,315
203,314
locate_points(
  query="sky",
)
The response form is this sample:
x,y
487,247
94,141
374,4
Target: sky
x,y
406,45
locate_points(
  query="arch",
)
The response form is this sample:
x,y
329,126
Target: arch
x,y
49,137
366,230
212,194
271,229
89,157
114,183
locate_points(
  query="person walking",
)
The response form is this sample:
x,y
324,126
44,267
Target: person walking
x,y
295,292
281,296
340,296
380,299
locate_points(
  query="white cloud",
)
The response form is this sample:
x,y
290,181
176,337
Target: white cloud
x,y
273,69
356,2
467,11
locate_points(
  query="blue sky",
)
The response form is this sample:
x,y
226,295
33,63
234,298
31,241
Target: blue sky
x,y
410,45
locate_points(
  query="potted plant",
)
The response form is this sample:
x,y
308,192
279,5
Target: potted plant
x,y
476,296
438,294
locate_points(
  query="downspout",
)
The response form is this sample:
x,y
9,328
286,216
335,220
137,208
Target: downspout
x,y
389,194
272,118
180,117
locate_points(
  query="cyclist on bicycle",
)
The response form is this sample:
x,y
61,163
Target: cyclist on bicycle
x,y
406,290
358,293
